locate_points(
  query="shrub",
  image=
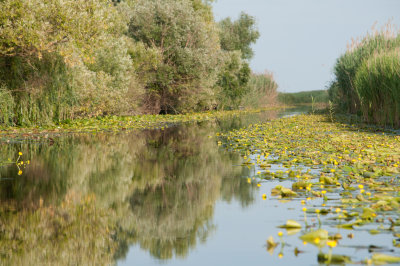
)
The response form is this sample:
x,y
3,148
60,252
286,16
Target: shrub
x,y
64,58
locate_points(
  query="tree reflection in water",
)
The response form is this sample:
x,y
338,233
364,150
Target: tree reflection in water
x,y
154,188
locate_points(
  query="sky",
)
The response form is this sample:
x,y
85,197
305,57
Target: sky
x,y
301,39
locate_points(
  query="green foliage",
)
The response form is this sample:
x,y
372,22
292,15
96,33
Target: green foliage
x,y
239,34
378,86
60,26
235,39
62,59
232,80
348,64
361,84
38,89
189,49
317,96
68,59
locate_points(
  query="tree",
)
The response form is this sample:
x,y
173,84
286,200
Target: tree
x,y
233,80
239,34
190,50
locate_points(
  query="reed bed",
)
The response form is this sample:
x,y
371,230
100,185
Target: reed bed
x,y
367,78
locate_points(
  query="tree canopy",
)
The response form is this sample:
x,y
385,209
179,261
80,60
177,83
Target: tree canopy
x,y
239,34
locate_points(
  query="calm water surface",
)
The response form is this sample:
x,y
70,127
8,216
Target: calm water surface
x,y
170,197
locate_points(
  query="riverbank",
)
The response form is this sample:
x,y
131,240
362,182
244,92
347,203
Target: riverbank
x,y
118,123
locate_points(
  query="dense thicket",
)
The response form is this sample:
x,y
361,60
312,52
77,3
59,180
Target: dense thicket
x,y
367,78
67,59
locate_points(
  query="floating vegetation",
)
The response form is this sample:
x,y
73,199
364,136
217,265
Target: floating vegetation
x,y
344,177
117,123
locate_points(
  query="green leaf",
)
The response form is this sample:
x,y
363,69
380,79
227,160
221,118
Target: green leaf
x,y
333,258
380,258
311,236
291,224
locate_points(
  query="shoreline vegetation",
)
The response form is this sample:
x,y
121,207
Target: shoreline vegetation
x,y
138,122
304,97
89,58
367,78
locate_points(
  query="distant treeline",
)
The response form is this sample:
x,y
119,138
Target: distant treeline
x,y
367,78
317,96
66,59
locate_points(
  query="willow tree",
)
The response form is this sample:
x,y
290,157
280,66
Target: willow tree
x,y
188,42
236,38
239,34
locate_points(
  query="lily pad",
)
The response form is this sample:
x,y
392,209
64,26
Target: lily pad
x,y
333,258
380,258
291,224
311,236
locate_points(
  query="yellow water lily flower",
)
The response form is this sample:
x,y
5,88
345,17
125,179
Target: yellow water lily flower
x,y
331,243
264,196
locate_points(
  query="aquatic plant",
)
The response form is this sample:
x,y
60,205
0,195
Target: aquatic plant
x,y
353,170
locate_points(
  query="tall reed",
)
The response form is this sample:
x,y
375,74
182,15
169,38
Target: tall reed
x,y
366,77
377,83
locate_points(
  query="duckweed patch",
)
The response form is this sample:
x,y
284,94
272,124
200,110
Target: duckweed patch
x,y
345,178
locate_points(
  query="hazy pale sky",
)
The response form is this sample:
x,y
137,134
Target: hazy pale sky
x,y
301,39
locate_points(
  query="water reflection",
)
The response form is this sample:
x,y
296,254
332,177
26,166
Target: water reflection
x,y
92,196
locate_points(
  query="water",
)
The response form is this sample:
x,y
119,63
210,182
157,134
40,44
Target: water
x,y
170,197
